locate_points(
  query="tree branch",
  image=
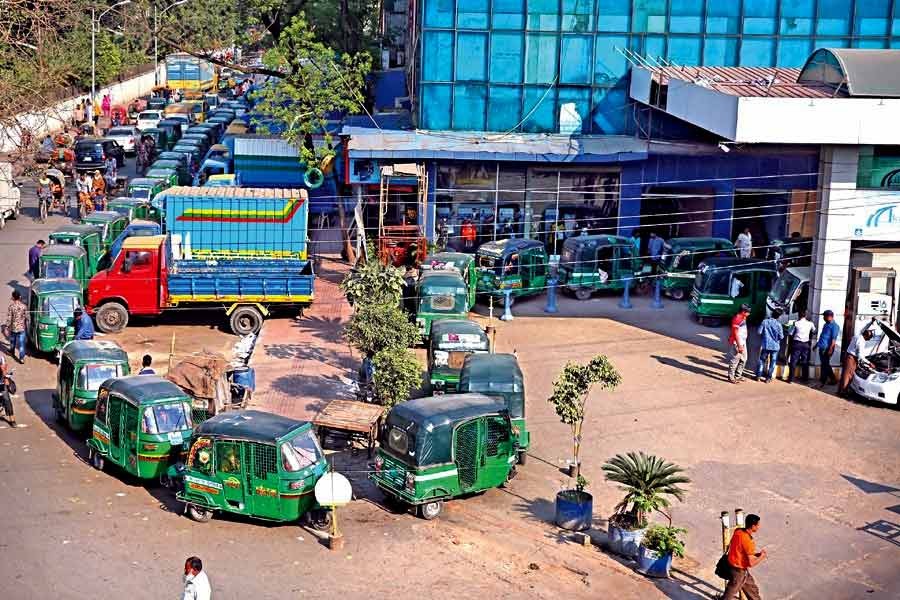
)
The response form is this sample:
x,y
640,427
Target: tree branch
x,y
224,63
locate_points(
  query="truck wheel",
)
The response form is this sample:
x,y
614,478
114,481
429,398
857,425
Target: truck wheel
x,y
198,513
246,320
111,318
583,293
430,510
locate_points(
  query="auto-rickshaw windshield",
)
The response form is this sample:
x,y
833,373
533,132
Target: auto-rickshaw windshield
x,y
489,263
60,307
714,281
57,269
90,377
141,193
166,418
441,299
398,440
300,452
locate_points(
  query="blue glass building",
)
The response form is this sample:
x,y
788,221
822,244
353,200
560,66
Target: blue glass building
x,y
559,66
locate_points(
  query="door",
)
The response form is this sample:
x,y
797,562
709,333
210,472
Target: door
x,y
497,446
467,453
131,425
230,471
142,295
116,437
764,280
264,489
66,381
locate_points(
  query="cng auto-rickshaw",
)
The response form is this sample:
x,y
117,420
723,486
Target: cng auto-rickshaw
x,y
722,285
441,447
679,263
83,367
61,261
464,264
111,224
499,376
133,208
589,263
451,341
440,295
145,188
142,424
253,463
52,304
166,175
516,264
83,235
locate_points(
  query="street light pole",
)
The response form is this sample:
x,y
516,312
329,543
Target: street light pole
x,y
156,14
95,25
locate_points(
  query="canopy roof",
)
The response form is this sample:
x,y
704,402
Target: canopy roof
x,y
862,72
440,411
77,229
103,216
145,182
51,286
462,326
67,250
458,260
145,389
253,425
443,279
94,350
728,262
698,242
597,240
501,247
495,375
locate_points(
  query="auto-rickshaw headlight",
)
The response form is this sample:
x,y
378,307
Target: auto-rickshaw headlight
x,y
411,481
43,326
78,400
296,485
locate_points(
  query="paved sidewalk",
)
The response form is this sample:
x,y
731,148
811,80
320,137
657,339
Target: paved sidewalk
x,y
303,363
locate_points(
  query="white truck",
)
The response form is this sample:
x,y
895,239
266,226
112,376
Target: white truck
x,y
10,196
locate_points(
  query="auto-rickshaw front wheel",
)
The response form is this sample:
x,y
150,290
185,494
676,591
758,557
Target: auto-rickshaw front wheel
x,y
320,519
199,514
583,293
430,510
96,460
677,294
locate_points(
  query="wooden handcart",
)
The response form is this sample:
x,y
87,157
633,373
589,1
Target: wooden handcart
x,y
359,420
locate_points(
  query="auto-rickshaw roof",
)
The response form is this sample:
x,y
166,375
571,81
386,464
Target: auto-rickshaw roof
x,y
742,264
145,182
77,229
430,279
508,246
457,259
165,162
104,216
77,350
460,326
439,411
126,201
699,242
145,389
170,155
487,370
597,240
55,286
253,425
67,250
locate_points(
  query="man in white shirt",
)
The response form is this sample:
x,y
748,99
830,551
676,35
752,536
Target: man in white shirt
x,y
857,351
736,285
196,584
801,341
744,243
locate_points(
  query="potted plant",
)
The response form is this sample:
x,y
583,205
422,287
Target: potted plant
x,y
660,544
648,481
574,507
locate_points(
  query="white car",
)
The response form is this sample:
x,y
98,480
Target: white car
x,y
148,119
125,136
878,377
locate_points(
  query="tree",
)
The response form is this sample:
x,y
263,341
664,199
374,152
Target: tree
x,y
397,373
570,393
647,480
373,282
374,327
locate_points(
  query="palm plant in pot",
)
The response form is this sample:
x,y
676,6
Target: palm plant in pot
x,y
574,507
648,482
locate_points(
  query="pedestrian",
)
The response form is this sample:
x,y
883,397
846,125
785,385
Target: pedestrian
x,y
98,191
16,326
826,346
857,352
196,583
5,397
34,258
146,369
84,326
742,556
744,243
655,249
738,341
88,110
469,233
111,173
78,114
801,340
97,111
106,105
770,333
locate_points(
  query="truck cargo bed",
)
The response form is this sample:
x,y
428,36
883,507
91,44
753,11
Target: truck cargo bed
x,y
287,281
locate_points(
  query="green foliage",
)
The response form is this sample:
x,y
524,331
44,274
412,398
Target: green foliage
x,y
665,540
581,483
397,373
376,327
373,283
647,481
571,390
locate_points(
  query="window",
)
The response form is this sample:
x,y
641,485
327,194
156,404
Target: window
x,y
471,50
398,441
684,50
57,268
609,64
574,110
228,457
575,62
763,282
300,452
871,17
504,108
613,15
833,17
506,57
138,258
472,14
793,53
540,58
543,15
757,52
166,418
508,14
435,104
469,106
59,307
759,16
439,13
722,17
578,15
797,17
649,16
90,377
538,109
687,16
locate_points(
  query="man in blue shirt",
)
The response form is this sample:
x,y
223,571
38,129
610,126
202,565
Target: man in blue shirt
x,y
84,326
826,346
655,249
771,333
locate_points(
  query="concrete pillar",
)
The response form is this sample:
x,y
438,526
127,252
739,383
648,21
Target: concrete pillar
x,y
831,245
428,220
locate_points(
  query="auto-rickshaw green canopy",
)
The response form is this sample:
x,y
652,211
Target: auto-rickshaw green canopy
x,y
496,375
97,350
428,423
250,425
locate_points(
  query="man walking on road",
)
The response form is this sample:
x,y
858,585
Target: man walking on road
x,y
771,333
16,325
742,556
738,341
34,258
196,583
826,346
801,339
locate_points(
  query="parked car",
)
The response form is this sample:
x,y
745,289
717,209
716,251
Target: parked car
x,y
125,137
10,195
148,119
91,154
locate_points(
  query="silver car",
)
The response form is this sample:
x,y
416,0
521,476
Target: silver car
x,y
125,136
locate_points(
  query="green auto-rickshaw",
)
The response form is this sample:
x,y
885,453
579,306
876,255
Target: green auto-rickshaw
x,y
464,264
722,285
179,166
52,304
61,261
684,255
516,264
440,295
451,341
111,224
441,447
145,188
499,375
133,208
589,263
83,235
253,463
169,176
84,365
142,424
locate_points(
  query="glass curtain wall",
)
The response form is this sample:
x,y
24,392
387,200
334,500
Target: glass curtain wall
x,y
548,66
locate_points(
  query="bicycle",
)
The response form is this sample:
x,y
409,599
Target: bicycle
x,y
43,206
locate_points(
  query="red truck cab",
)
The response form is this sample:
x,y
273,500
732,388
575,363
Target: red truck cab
x,y
135,284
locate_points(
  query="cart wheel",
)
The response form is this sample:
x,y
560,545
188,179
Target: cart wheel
x,y
246,320
96,460
111,318
430,510
583,293
198,513
320,519
522,457
677,294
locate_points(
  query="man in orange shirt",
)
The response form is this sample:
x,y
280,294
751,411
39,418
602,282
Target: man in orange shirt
x,y
742,556
469,233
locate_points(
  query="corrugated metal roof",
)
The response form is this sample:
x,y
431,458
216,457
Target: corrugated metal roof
x,y
868,72
757,82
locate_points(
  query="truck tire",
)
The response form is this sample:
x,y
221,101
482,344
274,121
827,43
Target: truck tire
x,y
246,320
112,317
